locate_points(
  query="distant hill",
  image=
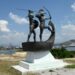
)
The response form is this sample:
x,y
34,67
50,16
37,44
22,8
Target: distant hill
x,y
69,43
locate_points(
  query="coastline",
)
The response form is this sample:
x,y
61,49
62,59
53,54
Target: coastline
x,y
17,56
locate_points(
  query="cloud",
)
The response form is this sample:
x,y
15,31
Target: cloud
x,y
73,6
15,38
3,26
18,19
68,29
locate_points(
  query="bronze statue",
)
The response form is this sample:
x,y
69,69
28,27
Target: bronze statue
x,y
33,24
41,17
44,45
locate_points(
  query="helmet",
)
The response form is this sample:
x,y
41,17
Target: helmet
x,y
31,12
41,11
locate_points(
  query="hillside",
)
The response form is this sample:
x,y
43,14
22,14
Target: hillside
x,y
69,43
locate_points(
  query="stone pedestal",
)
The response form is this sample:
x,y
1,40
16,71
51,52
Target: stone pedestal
x,y
40,60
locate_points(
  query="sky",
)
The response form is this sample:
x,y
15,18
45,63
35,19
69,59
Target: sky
x,y
14,27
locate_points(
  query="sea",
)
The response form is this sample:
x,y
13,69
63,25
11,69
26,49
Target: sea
x,y
71,48
7,51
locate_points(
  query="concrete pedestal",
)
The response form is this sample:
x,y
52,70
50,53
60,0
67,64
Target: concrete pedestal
x,y
36,61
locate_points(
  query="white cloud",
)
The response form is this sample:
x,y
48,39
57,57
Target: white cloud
x,y
15,38
73,6
68,29
3,26
13,35
18,19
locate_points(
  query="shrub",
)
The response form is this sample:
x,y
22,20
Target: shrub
x,y
62,53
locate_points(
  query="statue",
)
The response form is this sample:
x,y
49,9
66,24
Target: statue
x,y
39,45
33,25
38,55
41,17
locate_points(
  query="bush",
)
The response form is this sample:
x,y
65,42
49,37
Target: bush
x,y
62,53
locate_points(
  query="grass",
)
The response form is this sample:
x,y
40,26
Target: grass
x,y
5,67
71,66
71,61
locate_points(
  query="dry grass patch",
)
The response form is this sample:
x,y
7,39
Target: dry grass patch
x,y
70,60
5,67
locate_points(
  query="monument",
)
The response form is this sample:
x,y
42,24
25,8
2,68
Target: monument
x,y
39,56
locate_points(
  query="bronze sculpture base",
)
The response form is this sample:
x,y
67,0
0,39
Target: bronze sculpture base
x,y
36,46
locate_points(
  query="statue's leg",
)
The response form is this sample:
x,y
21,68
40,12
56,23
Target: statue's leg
x,y
29,37
41,32
34,36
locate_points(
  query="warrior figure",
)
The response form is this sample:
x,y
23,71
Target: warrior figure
x,y
41,17
33,24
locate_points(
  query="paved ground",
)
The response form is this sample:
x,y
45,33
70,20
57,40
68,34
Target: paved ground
x,y
63,71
